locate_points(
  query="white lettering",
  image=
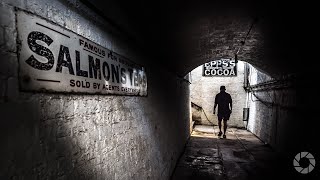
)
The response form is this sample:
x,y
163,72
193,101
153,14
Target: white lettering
x,y
232,63
232,73
225,64
207,72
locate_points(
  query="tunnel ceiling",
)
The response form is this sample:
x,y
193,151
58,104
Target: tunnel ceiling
x,y
182,35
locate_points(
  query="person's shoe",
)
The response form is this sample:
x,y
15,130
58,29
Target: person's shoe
x,y
220,133
224,136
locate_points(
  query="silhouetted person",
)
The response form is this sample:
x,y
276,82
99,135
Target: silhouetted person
x,y
224,102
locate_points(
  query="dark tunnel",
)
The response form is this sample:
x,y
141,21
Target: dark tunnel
x,y
101,89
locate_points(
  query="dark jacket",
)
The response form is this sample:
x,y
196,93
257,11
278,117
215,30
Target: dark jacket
x,y
223,100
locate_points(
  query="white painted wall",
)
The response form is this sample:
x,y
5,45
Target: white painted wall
x,y
204,89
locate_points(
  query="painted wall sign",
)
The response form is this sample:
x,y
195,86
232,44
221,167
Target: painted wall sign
x,y
221,67
54,59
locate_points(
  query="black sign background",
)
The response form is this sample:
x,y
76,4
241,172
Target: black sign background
x,y
221,67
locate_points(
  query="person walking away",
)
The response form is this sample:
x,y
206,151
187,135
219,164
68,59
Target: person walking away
x,y
224,102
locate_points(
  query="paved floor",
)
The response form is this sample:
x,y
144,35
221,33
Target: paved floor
x,y
240,156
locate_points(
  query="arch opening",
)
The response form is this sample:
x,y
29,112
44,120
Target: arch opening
x,y
261,104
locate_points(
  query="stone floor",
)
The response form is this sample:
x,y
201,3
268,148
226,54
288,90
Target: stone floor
x,y
240,156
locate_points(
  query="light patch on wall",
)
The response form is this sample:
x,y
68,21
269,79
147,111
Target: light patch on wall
x,y
252,114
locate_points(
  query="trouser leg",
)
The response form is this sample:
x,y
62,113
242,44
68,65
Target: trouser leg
x,y
225,125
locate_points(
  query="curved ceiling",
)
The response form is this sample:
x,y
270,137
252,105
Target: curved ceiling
x,y
182,35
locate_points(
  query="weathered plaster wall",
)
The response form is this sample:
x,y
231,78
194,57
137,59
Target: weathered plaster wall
x,y
204,89
272,110
68,136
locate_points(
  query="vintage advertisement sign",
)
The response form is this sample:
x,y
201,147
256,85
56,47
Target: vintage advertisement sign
x,y
221,67
54,59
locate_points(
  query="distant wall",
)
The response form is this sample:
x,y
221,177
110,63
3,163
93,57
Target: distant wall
x,y
204,89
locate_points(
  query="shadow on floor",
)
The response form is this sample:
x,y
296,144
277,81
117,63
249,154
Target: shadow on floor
x,y
241,156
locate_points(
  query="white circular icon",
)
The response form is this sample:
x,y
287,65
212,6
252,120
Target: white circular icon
x,y
297,163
